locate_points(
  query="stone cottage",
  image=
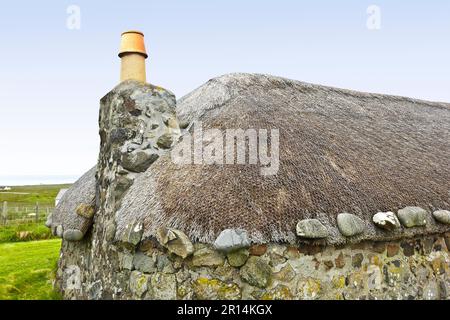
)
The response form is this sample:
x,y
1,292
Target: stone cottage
x,y
326,194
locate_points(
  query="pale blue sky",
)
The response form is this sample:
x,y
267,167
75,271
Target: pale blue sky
x,y
52,78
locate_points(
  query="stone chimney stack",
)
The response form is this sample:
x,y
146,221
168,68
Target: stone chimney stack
x,y
133,55
137,125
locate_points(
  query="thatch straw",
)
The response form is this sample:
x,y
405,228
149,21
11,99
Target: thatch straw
x,y
81,192
340,151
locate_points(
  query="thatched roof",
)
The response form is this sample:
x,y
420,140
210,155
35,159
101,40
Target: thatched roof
x,y
81,192
340,151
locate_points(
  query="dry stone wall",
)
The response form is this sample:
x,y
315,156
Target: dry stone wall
x,y
410,269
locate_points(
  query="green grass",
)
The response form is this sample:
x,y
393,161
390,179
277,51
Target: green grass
x,y
44,194
27,270
24,232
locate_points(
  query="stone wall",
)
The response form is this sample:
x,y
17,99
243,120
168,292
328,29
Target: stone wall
x,y
409,269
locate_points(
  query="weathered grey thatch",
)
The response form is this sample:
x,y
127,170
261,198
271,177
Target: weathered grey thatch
x,y
81,192
340,151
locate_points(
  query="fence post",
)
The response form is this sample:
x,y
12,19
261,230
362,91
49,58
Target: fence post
x,y
5,212
37,211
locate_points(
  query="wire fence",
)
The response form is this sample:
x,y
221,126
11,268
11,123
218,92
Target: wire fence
x,y
25,214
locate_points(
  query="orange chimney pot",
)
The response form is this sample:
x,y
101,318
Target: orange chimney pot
x,y
132,54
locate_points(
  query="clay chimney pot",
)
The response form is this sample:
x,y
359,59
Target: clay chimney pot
x,y
132,42
133,55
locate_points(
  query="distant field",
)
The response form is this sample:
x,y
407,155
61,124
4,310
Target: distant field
x,y
27,270
29,195
24,232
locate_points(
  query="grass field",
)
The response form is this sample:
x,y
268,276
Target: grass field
x,y
29,195
24,232
27,270
27,267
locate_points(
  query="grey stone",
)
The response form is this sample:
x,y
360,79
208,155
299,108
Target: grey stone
x,y
207,258
123,183
138,283
386,220
175,241
143,263
232,239
73,235
443,216
256,272
134,233
163,264
350,225
138,160
165,141
59,231
412,217
110,231
126,261
311,229
163,287
238,258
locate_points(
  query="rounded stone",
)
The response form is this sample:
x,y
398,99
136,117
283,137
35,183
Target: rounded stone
x,y
386,220
73,235
443,216
350,225
412,217
311,229
232,239
138,160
